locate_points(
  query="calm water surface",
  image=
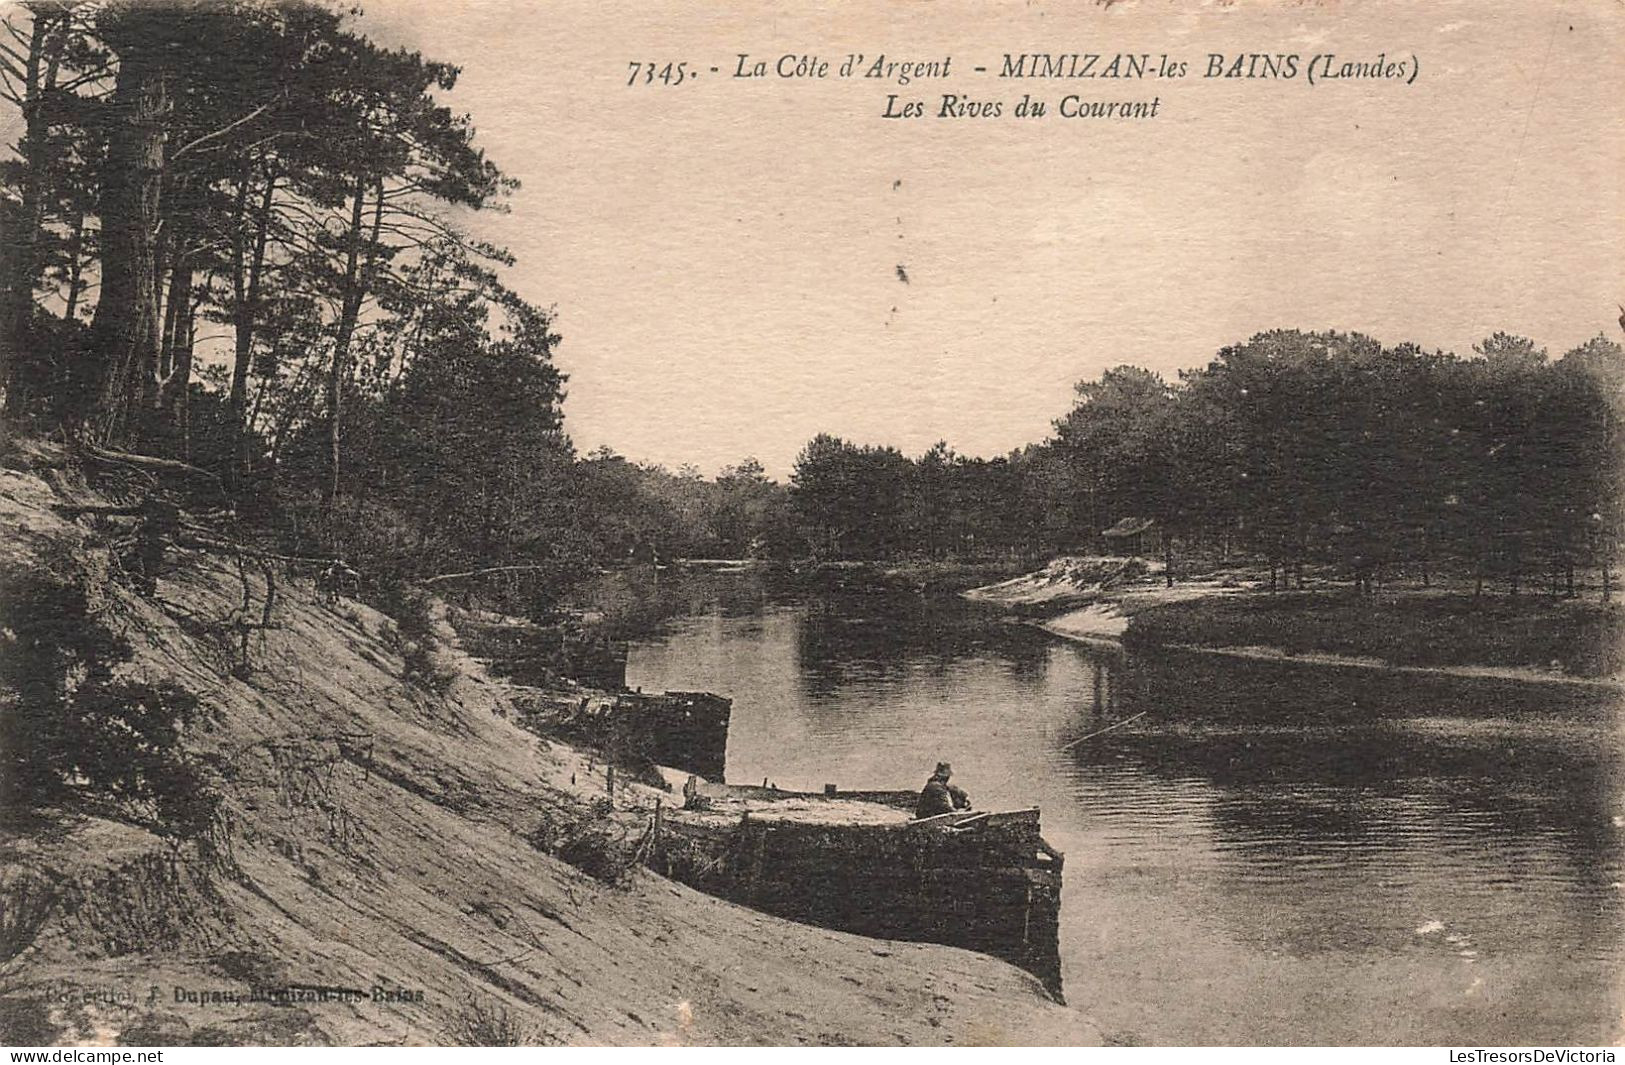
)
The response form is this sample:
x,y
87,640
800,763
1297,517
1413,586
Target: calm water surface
x,y
1270,854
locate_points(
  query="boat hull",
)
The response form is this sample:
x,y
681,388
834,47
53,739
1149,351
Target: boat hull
x,y
683,730
986,882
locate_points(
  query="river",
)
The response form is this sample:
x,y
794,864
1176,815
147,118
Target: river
x,y
1257,853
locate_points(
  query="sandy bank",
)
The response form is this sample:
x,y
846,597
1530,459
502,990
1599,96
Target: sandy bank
x,y
1108,618
1092,599
394,841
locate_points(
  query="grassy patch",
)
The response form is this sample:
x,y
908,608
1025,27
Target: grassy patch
x,y
483,1023
1583,638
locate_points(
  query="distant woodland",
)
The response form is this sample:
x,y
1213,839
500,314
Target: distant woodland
x,y
238,236
1293,449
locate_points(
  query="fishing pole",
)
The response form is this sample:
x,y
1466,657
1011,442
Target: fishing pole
x,y
1101,732
1011,775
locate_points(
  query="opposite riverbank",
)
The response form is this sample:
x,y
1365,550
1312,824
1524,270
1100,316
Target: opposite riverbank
x,y
1440,630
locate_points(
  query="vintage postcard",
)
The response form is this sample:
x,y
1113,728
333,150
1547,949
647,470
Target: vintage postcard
x,y
888,524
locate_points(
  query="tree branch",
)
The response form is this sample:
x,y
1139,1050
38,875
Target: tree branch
x,y
92,75
145,462
483,572
257,112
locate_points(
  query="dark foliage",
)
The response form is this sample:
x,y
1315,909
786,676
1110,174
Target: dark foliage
x,y
71,730
1320,449
415,631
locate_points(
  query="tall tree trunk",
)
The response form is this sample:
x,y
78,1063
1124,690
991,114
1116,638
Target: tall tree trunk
x,y
242,321
339,369
17,312
246,272
76,251
177,356
182,374
356,276
161,259
176,307
116,372
245,282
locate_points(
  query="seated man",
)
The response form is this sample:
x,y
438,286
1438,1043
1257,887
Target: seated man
x,y
940,797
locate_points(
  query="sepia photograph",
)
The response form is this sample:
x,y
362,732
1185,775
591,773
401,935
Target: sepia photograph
x,y
915,523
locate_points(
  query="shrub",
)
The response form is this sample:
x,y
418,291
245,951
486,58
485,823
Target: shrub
x,y
605,849
69,727
489,1024
415,629
26,903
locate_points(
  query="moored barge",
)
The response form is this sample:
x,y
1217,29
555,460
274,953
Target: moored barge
x,y
859,862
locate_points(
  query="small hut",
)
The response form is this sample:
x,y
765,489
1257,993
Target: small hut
x,y
1134,537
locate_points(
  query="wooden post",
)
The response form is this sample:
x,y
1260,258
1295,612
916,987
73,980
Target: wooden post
x,y
609,784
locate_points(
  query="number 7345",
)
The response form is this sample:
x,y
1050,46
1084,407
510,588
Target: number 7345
x,y
649,73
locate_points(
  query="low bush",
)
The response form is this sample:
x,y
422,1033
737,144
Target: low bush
x,y
481,1023
415,630
26,903
604,849
72,729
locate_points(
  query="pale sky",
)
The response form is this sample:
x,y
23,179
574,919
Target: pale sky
x,y
723,255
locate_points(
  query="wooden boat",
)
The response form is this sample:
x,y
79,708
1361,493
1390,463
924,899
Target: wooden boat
x,y
857,861
542,653
684,730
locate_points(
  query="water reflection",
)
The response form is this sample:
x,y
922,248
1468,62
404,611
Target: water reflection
x,y
1258,852
851,638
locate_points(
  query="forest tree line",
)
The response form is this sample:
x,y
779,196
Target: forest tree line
x,y
239,236
1290,449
